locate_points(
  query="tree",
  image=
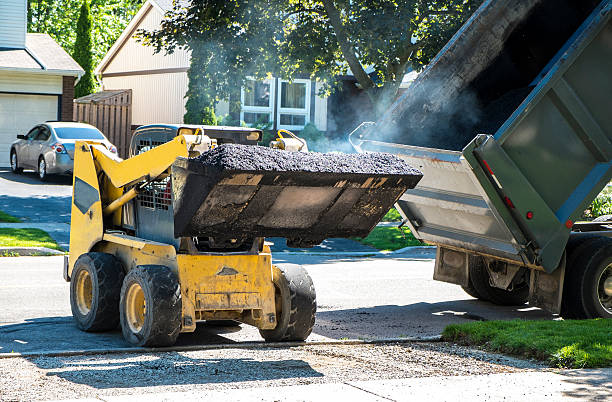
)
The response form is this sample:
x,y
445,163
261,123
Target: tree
x,y
82,52
56,18
377,39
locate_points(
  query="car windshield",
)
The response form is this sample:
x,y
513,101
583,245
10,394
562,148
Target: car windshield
x,y
79,133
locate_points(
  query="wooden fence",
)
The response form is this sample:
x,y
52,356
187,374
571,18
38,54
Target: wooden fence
x,y
111,113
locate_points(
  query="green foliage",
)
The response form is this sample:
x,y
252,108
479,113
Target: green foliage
x,y
10,237
82,52
320,38
4,217
316,140
602,205
57,18
200,104
392,216
389,238
568,344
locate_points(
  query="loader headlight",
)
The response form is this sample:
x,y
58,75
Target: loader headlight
x,y
254,136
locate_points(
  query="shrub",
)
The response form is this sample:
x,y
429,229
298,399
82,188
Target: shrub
x,y
602,205
316,140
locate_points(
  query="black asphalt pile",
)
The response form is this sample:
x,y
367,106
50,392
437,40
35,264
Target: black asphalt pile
x,y
256,158
235,193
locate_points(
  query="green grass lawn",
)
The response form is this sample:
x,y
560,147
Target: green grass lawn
x,y
389,238
392,216
4,217
567,344
10,237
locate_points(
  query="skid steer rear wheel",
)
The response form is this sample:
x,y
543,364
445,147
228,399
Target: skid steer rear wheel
x,y
480,279
95,286
296,304
150,306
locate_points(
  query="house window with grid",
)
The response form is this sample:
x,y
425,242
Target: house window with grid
x,y
257,99
293,104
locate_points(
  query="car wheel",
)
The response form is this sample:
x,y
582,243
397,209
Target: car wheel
x,y
42,169
14,163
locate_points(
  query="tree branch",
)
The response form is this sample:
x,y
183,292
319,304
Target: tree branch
x,y
303,9
347,48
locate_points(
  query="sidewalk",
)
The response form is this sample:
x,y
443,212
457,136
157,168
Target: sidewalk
x,y
535,386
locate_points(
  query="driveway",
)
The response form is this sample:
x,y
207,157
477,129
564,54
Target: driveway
x,y
41,205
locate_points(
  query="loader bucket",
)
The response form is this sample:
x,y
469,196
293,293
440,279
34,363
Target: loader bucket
x,y
236,192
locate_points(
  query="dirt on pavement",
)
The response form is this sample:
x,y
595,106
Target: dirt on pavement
x,y
109,375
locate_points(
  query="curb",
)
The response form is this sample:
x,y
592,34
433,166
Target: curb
x,y
243,345
28,251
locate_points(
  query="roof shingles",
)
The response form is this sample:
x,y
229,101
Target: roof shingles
x,y
42,53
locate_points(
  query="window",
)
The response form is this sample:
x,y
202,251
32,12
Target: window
x,y
257,102
78,133
43,134
33,133
294,104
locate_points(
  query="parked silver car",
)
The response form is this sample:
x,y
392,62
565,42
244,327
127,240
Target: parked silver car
x,y
49,148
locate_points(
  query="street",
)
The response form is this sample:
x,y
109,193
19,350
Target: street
x,y
359,298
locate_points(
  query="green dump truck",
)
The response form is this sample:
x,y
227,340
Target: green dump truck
x,y
511,125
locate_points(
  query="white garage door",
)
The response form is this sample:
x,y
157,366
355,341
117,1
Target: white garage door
x,y
19,113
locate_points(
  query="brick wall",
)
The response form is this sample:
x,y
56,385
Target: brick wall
x,y
67,98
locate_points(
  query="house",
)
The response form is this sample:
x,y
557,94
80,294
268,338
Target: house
x,y
159,83
37,77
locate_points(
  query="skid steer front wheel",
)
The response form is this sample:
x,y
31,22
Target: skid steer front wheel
x,y
296,304
151,306
95,286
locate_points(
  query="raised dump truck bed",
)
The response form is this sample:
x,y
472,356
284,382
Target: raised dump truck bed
x,y
509,199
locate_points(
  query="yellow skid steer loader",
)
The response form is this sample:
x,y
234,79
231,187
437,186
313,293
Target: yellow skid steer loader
x,y
174,234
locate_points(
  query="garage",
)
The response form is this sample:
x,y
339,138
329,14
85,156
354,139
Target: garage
x,y
19,113
37,78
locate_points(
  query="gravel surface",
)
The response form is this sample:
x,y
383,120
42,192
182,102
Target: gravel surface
x,y
246,157
104,375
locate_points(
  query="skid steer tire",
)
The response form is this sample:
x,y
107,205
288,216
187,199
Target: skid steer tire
x,y
150,307
296,304
479,277
95,286
584,292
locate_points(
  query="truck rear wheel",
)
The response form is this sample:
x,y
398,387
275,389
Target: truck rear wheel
x,y
589,280
150,307
95,286
480,279
296,304
577,250
471,290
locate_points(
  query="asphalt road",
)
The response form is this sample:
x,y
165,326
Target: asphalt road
x,y
357,298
